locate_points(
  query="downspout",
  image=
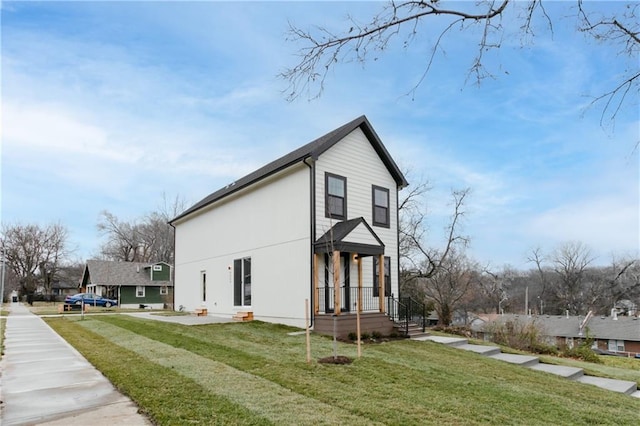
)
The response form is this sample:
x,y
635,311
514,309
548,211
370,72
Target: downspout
x,y
312,231
398,238
172,270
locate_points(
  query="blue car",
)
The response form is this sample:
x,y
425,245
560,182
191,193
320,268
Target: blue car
x,y
90,299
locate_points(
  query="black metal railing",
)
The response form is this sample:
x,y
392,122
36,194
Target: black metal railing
x,y
348,299
406,311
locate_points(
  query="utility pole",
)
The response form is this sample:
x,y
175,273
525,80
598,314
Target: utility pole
x,y
2,281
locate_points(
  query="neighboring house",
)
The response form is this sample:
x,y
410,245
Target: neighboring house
x,y
67,281
64,287
131,283
616,334
317,224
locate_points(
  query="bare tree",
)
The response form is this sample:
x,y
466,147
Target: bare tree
x,y
431,274
449,283
434,258
543,275
571,261
146,239
412,227
492,290
123,238
617,282
405,21
34,253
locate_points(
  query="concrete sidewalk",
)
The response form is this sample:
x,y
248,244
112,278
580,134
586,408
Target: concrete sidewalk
x,y
45,381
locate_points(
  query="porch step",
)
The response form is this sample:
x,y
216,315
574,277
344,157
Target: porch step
x,y
243,316
414,331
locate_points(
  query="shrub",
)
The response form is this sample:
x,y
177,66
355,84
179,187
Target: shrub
x,y
365,336
582,351
454,329
376,335
526,336
352,336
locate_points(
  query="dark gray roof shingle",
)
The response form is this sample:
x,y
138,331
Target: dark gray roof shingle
x,y
108,273
311,150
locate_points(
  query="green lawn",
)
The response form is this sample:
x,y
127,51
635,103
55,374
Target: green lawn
x,y
254,373
51,308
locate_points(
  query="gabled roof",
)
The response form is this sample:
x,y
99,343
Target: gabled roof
x,y
112,273
311,150
338,238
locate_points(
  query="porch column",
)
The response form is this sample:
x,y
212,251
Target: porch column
x,y
359,262
336,282
381,282
316,290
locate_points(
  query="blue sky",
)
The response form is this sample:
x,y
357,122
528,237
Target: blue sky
x,y
108,106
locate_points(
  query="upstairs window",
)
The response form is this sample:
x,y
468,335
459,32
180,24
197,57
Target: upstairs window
x,y
380,198
335,196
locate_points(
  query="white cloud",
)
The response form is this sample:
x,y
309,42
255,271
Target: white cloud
x,y
50,130
606,224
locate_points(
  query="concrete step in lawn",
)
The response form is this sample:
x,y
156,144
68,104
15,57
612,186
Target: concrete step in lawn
x,y
449,341
533,362
571,373
622,386
480,349
523,360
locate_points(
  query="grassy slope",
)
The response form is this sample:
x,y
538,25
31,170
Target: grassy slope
x,y
254,373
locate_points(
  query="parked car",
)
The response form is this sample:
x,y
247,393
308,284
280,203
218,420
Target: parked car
x,y
90,299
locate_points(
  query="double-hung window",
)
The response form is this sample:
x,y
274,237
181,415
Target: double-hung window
x,y
140,291
380,197
335,196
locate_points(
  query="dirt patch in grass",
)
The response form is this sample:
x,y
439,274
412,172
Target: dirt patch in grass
x,y
340,359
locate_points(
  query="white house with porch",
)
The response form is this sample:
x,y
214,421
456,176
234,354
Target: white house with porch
x,y
320,223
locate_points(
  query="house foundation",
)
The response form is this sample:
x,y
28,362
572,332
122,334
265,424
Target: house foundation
x,y
370,322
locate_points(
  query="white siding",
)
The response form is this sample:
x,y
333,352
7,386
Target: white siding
x,y
270,222
361,235
355,159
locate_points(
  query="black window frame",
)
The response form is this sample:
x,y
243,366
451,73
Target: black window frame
x,y
387,222
327,210
242,282
387,278
203,283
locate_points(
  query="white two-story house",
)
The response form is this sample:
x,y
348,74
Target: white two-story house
x,y
319,224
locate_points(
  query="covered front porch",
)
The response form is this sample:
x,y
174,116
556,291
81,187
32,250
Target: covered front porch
x,y
343,291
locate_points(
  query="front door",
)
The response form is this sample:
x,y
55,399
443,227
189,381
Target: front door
x,y
345,289
345,268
